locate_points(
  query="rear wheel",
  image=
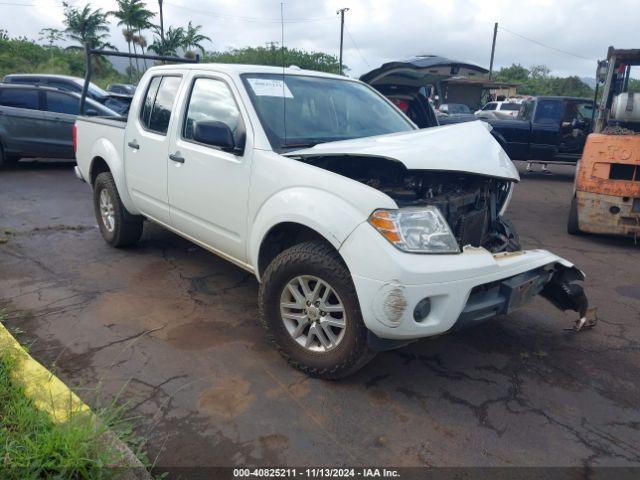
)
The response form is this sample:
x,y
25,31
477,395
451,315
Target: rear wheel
x,y
119,228
310,308
573,227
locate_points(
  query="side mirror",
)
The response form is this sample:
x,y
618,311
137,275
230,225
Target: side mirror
x,y
214,133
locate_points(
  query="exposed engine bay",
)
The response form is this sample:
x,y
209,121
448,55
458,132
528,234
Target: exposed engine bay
x,y
470,203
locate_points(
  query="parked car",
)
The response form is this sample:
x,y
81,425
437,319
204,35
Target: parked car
x,y
38,121
454,108
364,232
116,102
499,110
121,88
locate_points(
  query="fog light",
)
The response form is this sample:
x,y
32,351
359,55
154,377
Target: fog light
x,y
614,210
422,310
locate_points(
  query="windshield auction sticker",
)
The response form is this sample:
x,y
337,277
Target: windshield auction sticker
x,y
269,88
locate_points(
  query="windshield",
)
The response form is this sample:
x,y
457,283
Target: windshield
x,y
510,106
94,90
457,108
319,110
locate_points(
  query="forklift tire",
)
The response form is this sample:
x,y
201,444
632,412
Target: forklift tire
x,y
573,227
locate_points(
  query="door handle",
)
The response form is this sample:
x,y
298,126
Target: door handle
x,y
176,157
134,145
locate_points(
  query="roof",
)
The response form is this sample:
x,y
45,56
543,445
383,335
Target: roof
x,y
239,69
45,75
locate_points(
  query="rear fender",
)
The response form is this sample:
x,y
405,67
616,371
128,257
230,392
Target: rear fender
x,y
105,150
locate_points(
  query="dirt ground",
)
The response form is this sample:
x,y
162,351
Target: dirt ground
x,y
173,331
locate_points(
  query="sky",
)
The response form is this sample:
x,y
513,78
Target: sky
x,y
568,36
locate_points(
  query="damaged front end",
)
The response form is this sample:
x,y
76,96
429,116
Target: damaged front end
x,y
471,204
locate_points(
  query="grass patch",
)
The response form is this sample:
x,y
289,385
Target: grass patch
x,y
32,446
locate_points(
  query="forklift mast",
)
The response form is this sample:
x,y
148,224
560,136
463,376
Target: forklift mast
x,y
614,74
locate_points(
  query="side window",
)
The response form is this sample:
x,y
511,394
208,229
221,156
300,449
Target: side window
x,y
161,111
152,90
212,100
20,98
490,106
549,111
61,103
526,110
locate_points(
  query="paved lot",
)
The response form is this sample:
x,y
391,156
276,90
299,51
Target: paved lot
x,y
175,329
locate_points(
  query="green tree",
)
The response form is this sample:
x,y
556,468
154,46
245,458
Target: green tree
x,y
320,61
537,80
173,41
134,16
515,73
193,39
86,26
20,55
51,35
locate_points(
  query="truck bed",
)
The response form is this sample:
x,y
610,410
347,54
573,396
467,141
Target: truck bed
x,y
99,138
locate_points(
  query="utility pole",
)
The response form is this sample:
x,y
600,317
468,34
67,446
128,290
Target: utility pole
x,y
493,48
161,23
341,12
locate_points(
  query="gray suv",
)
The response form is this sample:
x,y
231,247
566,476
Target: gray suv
x,y
38,121
116,102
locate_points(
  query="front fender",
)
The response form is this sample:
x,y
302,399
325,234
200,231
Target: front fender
x,y
322,211
106,150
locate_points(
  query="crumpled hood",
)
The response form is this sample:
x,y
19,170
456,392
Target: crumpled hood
x,y
465,147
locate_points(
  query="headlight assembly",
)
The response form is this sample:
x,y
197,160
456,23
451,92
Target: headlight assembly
x,y
417,230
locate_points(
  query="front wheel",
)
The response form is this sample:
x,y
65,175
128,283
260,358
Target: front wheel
x,y
118,227
573,227
309,306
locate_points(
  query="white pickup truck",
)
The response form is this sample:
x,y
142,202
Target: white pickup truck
x,y
364,232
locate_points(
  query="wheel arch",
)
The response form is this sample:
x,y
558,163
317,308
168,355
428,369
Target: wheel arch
x,y
105,158
296,215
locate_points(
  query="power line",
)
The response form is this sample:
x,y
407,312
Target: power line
x,y
545,45
356,46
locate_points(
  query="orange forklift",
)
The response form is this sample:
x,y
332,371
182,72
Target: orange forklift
x,y
607,184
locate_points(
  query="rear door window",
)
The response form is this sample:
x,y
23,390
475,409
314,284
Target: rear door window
x,y
149,98
160,113
490,106
26,98
158,104
61,103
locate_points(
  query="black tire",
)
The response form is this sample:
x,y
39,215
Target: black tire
x,y
573,227
513,244
127,228
322,261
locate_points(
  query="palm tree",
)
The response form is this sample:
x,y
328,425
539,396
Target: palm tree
x,y
173,41
193,39
142,43
87,26
134,15
127,33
